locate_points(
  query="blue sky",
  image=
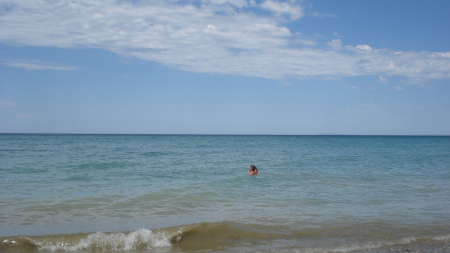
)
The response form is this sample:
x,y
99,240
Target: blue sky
x,y
225,67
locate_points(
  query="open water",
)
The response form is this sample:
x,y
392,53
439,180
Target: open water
x,y
191,193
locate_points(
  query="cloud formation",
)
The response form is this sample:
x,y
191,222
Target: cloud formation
x,y
290,9
238,37
34,64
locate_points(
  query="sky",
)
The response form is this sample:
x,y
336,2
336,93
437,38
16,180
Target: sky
x,y
353,67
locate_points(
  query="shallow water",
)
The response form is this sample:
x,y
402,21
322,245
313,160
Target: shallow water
x,y
189,193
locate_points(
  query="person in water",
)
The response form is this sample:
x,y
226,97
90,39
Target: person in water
x,y
253,170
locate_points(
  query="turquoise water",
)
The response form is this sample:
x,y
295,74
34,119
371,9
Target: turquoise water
x,y
191,193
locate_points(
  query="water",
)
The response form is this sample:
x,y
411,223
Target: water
x,y
191,193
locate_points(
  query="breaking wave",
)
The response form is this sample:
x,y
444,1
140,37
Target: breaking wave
x,y
207,237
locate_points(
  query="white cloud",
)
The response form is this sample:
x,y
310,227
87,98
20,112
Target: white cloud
x,y
34,64
236,3
293,10
441,55
209,36
364,48
382,79
335,44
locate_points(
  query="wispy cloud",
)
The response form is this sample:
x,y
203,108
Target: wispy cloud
x,y
324,15
239,37
30,64
290,9
6,104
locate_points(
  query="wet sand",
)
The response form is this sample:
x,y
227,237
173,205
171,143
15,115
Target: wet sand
x,y
431,247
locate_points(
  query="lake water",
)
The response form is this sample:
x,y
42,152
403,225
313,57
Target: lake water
x,y
191,193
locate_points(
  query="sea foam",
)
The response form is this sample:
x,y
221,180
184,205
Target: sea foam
x,y
112,241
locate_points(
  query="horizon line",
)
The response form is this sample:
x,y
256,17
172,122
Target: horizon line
x,y
187,134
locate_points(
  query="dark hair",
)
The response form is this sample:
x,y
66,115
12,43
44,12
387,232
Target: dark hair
x,y
253,168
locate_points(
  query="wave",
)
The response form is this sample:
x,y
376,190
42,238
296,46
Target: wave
x,y
220,236
138,239
187,236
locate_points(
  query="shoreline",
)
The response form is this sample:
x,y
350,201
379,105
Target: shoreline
x,y
414,247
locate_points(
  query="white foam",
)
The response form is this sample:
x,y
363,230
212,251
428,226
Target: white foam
x,y
441,238
114,241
